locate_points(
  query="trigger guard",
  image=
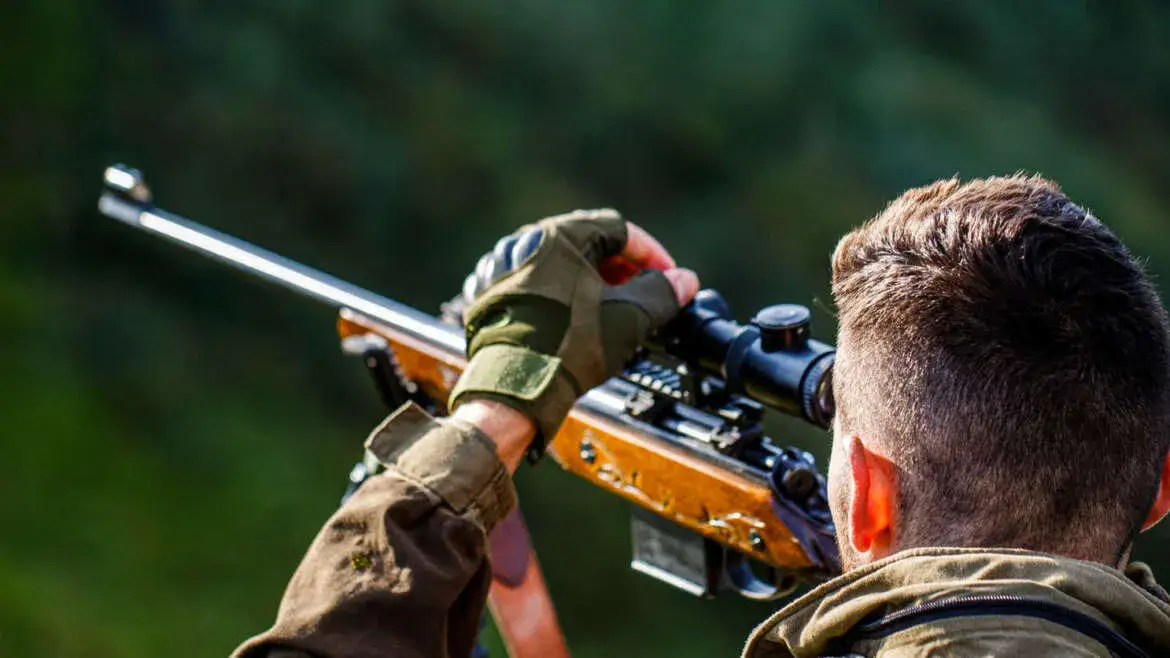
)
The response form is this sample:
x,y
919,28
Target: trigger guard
x,y
742,580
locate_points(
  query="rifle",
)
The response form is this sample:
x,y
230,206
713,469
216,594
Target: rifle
x,y
678,433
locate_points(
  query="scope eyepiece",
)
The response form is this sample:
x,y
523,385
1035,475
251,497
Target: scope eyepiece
x,y
772,359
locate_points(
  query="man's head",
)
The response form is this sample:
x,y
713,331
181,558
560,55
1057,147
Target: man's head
x,y
1002,379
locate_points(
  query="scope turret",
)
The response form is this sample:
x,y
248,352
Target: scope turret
x,y
772,359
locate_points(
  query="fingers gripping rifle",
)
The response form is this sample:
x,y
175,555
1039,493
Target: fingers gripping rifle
x,y
678,434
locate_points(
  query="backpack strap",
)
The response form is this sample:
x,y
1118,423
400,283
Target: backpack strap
x,y
986,606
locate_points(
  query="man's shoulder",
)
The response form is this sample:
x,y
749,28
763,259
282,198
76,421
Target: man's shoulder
x,y
968,602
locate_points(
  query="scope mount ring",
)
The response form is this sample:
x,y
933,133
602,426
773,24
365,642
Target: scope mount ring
x,y
736,356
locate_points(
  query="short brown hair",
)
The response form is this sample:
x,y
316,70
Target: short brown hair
x,y
1012,356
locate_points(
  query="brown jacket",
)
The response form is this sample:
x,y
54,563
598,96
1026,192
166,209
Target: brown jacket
x,y
401,570
1131,603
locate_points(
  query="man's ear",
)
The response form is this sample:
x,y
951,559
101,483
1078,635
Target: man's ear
x,y
871,512
1162,501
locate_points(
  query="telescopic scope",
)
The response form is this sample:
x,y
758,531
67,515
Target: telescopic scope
x,y
771,359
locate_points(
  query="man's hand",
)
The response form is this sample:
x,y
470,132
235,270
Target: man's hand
x,y
545,324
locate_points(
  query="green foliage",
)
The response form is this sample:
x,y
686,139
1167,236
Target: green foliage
x,y
177,434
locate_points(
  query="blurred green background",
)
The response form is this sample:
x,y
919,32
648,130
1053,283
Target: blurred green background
x,y
176,433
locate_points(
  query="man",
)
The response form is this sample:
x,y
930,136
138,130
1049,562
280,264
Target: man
x,y
1002,435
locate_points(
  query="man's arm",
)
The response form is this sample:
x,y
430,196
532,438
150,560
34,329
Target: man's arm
x,y
510,430
402,568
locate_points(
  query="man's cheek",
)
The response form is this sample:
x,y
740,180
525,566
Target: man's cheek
x,y
838,487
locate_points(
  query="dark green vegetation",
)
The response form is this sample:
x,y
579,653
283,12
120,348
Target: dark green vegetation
x,y
175,434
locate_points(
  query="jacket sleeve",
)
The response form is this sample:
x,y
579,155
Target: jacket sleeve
x,y
401,569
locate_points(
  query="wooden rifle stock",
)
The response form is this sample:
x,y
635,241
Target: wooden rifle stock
x,y
718,503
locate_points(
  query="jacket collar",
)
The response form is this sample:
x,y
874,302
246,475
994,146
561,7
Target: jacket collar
x,y
920,575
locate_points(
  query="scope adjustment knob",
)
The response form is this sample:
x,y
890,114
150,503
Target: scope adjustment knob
x,y
783,327
712,302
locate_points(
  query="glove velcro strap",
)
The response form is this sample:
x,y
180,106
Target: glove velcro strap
x,y
531,382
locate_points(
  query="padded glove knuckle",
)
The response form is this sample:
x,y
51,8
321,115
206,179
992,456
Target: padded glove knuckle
x,y
527,242
509,254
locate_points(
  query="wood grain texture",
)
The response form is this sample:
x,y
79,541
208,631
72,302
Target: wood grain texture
x,y
733,509
730,508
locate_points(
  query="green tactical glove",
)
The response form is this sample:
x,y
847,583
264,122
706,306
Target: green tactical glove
x,y
542,325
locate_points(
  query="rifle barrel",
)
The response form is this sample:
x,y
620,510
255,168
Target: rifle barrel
x,y
127,199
